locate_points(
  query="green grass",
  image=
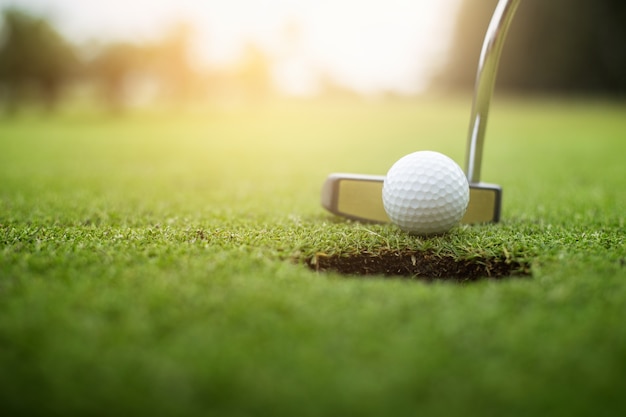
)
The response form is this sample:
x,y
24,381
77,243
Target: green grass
x,y
153,265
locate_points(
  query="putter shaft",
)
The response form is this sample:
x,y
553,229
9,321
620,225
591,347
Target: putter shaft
x,y
485,83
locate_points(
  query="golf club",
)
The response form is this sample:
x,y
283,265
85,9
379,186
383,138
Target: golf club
x,y
359,196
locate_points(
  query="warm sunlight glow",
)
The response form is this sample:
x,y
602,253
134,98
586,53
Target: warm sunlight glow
x,y
367,45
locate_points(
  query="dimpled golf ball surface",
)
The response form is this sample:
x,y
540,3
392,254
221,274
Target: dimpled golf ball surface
x,y
425,193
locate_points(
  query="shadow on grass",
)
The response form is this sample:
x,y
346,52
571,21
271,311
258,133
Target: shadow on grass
x,y
418,265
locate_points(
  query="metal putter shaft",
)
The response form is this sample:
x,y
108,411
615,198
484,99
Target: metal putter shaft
x,y
359,196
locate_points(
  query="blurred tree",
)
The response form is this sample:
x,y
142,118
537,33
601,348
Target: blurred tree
x,y
170,61
33,53
254,73
113,68
121,69
556,46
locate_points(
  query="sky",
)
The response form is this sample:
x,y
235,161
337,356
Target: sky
x,y
368,45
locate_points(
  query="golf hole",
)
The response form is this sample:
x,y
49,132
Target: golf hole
x,y
421,266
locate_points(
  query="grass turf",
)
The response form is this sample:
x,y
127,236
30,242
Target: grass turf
x,y
154,265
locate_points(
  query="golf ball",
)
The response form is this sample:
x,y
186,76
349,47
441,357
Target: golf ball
x,y
425,193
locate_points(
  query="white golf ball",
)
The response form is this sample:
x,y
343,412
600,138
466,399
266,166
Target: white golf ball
x,y
425,193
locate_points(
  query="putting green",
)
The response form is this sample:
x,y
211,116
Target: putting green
x,y
154,264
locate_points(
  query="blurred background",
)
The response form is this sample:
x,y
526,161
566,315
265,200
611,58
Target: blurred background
x,y
117,55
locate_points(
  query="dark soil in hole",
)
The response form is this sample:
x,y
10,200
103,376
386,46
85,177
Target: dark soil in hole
x,y
425,266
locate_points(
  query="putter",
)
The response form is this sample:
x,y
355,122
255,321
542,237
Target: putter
x,y
359,196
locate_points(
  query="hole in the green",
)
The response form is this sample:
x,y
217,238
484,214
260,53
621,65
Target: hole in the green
x,y
419,265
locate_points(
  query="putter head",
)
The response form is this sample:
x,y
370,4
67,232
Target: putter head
x,y
359,197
